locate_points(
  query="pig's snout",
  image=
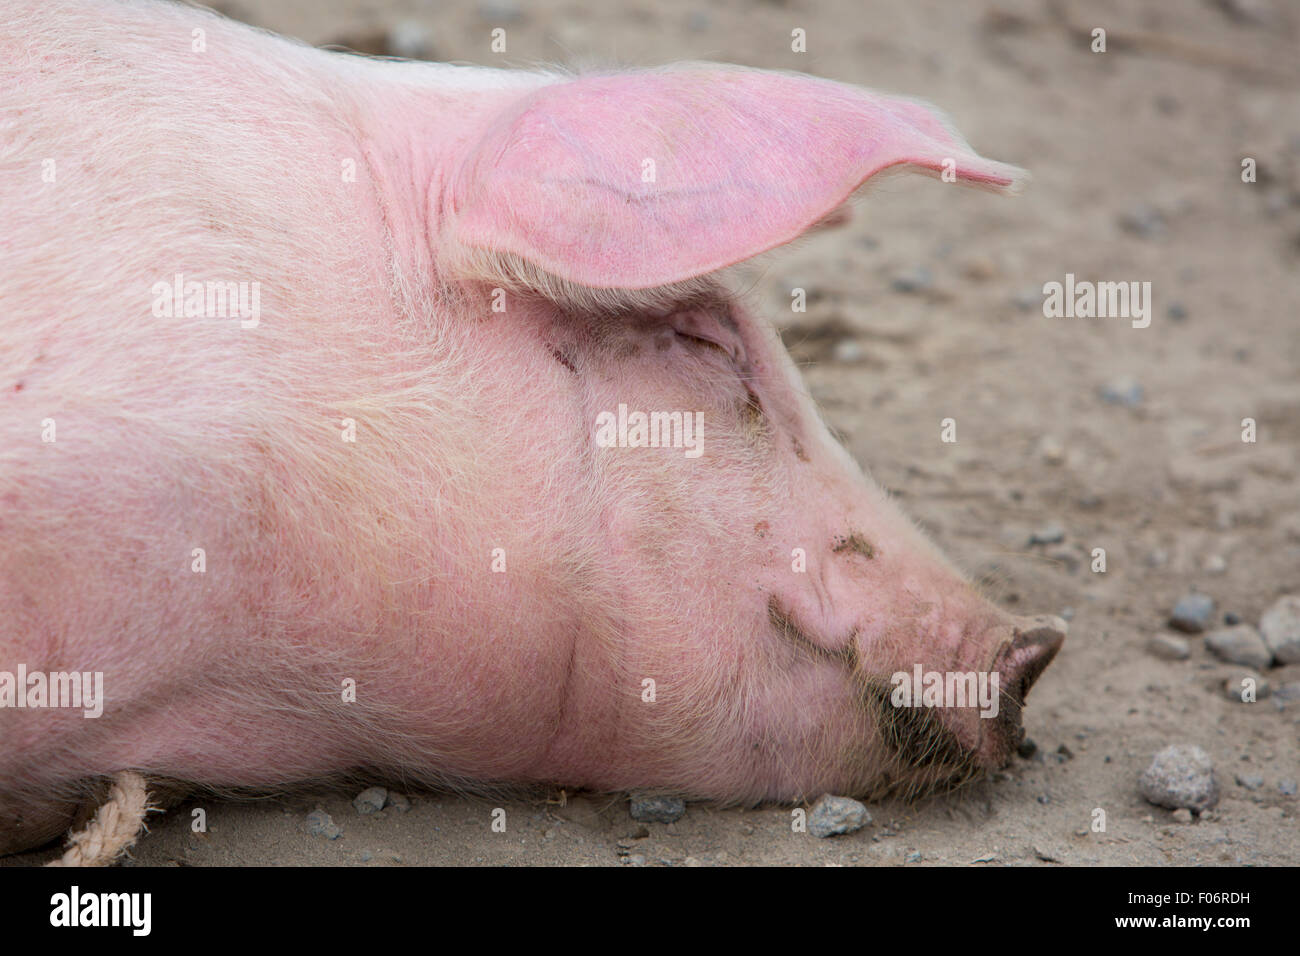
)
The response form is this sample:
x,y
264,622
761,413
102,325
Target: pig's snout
x,y
1019,660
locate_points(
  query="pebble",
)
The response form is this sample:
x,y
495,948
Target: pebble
x,y
1250,781
1180,775
1240,645
1280,627
1231,618
832,816
918,280
1192,612
499,11
1027,299
319,823
1215,564
1027,748
1051,533
1177,311
656,809
1122,391
1182,815
1052,451
913,857
399,802
1234,687
411,40
1287,787
1170,647
370,801
1143,220
849,351
1288,691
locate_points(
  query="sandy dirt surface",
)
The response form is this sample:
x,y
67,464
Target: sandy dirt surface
x,y
929,305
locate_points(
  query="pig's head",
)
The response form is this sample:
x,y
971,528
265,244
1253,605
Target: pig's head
x,y
731,551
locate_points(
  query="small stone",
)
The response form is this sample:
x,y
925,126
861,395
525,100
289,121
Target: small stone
x,y
832,816
1180,775
1067,614
1280,627
1122,391
1027,299
913,857
399,802
1250,781
979,268
1143,220
1169,647
1051,450
1239,645
1287,788
411,40
1250,12
1051,533
1231,618
656,809
848,351
1027,748
918,280
366,856
370,801
1215,564
1192,612
1288,692
1177,311
1234,688
319,823
636,859
499,11
1182,815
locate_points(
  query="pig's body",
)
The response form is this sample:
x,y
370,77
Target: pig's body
x,y
372,561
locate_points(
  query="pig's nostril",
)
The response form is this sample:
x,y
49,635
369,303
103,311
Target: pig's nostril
x,y
1034,642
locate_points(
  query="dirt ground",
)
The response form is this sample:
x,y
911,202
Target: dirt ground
x,y
929,305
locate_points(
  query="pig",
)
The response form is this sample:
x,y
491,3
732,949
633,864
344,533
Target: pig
x,y
396,418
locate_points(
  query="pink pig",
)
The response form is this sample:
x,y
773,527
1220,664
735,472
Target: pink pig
x,y
359,414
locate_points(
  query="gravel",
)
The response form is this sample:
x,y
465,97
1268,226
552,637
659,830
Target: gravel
x,y
1280,627
832,816
1192,612
1180,775
657,809
1240,645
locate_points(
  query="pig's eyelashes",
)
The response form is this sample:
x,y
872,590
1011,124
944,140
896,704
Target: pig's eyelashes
x,y
700,341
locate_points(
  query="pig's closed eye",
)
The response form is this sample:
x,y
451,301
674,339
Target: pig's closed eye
x,y
697,341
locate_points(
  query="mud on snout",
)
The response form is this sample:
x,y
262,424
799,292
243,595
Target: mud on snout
x,y
942,747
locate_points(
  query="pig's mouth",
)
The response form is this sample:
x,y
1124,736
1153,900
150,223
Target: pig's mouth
x,y
922,739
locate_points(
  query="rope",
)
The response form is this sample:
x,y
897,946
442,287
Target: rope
x,y
115,827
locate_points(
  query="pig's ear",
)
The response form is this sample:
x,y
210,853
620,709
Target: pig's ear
x,y
639,180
